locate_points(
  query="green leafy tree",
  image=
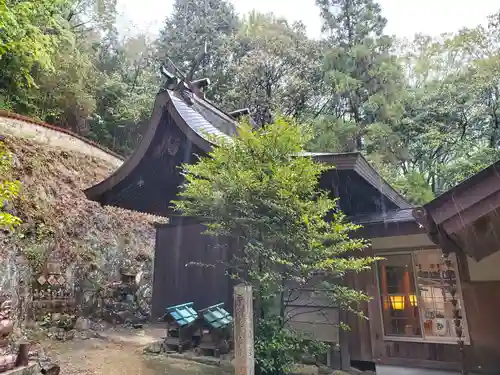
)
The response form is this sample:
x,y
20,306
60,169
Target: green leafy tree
x,y
9,190
87,16
259,191
277,68
193,23
128,83
362,74
30,35
450,121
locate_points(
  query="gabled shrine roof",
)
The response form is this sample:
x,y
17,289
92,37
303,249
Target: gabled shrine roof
x,y
464,218
402,215
183,314
202,123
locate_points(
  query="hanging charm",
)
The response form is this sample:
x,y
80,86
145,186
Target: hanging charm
x,y
457,316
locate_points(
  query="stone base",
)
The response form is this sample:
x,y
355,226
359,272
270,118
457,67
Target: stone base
x,y
31,369
158,347
225,364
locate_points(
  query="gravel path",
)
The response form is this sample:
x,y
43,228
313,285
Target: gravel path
x,y
99,357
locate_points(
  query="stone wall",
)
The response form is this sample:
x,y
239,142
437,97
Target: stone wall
x,y
94,242
87,282
13,274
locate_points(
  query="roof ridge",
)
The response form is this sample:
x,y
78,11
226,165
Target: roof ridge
x,y
209,103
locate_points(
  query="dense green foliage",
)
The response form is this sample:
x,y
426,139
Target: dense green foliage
x,y
9,190
426,112
257,190
278,348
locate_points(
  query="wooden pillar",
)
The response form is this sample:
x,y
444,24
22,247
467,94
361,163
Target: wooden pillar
x,y
243,330
345,356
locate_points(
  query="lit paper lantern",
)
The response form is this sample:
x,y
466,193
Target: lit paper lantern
x,y
398,302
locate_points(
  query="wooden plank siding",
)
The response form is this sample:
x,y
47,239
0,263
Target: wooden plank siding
x,y
312,313
176,282
359,337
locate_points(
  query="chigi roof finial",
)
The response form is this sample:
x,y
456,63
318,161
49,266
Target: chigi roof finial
x,y
183,83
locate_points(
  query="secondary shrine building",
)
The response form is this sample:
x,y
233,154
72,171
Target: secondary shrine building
x,y
428,314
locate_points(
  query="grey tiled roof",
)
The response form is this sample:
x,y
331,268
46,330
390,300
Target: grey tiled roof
x,y
199,119
392,216
215,116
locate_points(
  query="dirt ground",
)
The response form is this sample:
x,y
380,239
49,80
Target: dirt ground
x,y
121,352
100,357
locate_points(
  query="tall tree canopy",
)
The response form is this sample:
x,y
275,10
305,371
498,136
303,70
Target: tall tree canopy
x,y
426,112
191,25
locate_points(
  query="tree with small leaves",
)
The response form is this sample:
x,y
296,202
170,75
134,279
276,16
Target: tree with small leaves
x,y
191,25
260,190
30,35
277,68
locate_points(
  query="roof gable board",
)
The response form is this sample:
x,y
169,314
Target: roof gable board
x,y
466,194
203,124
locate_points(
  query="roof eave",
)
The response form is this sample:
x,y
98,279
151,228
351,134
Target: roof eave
x,y
164,102
203,143
364,169
95,192
356,162
462,187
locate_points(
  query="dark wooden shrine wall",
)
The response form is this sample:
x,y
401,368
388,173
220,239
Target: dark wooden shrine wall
x,y
359,339
176,282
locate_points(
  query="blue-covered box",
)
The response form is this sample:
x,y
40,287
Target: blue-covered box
x,y
217,330
182,327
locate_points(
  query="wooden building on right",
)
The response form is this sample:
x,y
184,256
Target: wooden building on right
x,y
436,293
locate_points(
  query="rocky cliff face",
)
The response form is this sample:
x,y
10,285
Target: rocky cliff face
x,y
91,242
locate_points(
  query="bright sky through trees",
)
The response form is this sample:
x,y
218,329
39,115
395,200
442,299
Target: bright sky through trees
x,y
406,17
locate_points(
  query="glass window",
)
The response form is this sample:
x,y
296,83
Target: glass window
x,y
415,295
399,296
434,288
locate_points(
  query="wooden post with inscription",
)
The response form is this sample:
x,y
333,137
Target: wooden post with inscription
x,y
243,330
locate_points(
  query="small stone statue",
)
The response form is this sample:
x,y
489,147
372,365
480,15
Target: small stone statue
x,y
7,360
6,323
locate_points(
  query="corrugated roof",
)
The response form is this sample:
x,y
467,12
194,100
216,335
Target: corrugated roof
x,y
392,216
195,118
356,162
221,120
